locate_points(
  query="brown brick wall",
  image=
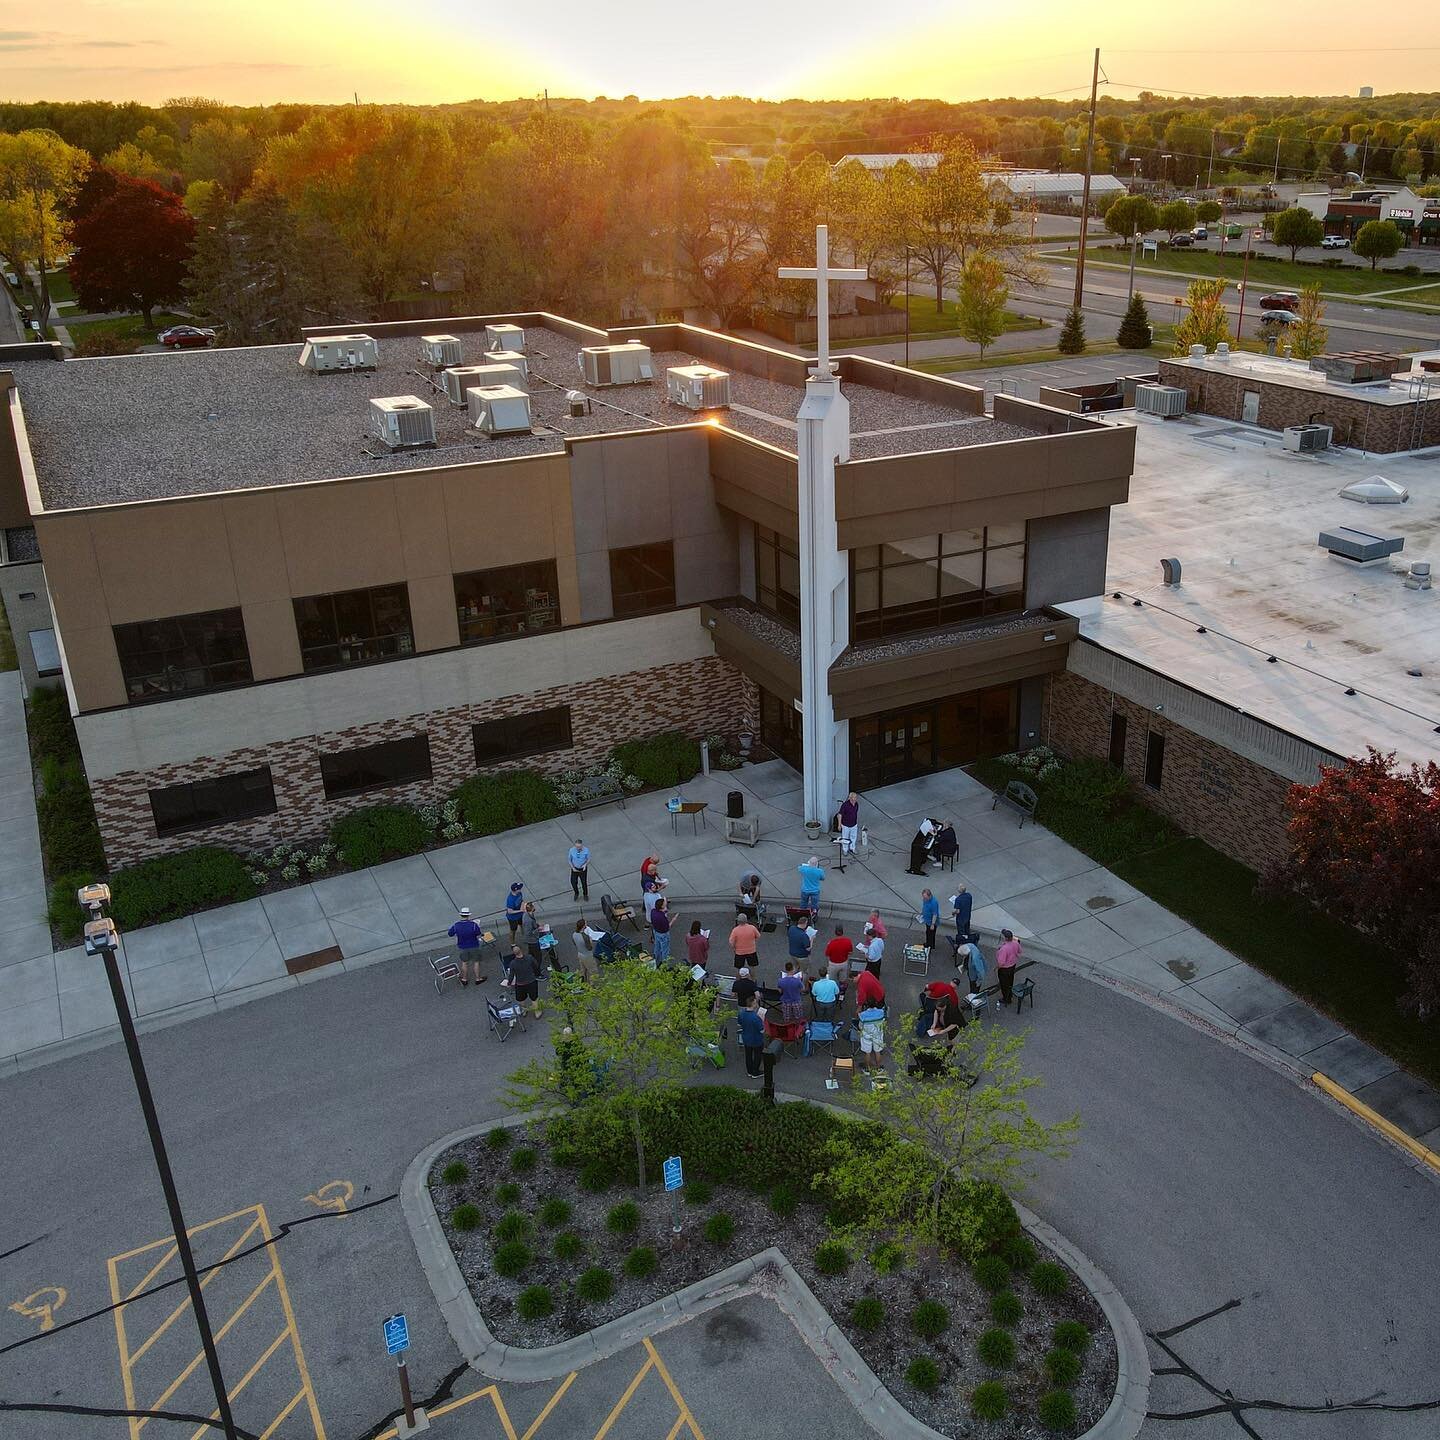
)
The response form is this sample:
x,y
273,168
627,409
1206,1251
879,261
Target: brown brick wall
x,y
1382,428
1232,803
697,696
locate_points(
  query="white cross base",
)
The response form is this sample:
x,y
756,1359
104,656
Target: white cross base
x,y
822,274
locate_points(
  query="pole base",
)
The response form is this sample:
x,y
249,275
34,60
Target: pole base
x,y
422,1424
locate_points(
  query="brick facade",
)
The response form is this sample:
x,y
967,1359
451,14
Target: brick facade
x,y
1230,802
699,696
1381,428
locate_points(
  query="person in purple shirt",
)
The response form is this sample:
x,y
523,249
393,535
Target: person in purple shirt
x,y
660,923
849,822
466,935
792,992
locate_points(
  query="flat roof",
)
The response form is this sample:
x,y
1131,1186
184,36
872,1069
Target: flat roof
x,y
1243,516
143,427
1297,375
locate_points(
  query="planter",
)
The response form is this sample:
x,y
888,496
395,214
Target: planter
x,y
814,829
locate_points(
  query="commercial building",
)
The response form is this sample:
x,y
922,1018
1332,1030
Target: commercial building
x,y
268,610
1417,217
1043,186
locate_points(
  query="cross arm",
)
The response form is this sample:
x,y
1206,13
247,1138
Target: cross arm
x,y
799,272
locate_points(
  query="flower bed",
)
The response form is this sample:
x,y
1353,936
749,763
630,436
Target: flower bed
x,y
552,1242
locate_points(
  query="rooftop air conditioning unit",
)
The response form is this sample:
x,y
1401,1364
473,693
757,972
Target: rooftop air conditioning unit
x,y
438,351
698,387
499,410
504,337
508,357
486,376
1304,438
323,353
1165,400
616,364
403,422
459,378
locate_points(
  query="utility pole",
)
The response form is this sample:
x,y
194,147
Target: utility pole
x,y
1276,180
1244,285
1364,156
1210,174
1085,192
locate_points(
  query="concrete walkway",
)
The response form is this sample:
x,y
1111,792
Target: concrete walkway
x,y
1076,914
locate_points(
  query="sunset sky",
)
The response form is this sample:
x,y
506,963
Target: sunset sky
x,y
258,51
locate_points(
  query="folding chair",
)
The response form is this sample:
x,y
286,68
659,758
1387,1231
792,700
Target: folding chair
x,y
445,969
1024,991
916,960
823,1036
504,1018
616,912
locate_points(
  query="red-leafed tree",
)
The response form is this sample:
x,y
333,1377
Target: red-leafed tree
x,y
132,249
1365,842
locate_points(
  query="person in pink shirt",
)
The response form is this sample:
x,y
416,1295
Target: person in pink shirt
x,y
878,925
1005,958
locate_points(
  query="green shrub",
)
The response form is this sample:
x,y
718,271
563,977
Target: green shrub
x,y
868,1314
1071,1335
929,1319
498,1137
491,803
996,1348
596,1284
455,1173
69,835
992,1274
511,1258
1049,1279
698,1192
568,1246
1057,1410
887,1258
534,1302
554,1213
662,760
1063,1366
52,731
977,1216
784,1201
624,1218
512,1226
597,1175
379,833
174,885
508,1194
642,1260
719,1228
989,1401
832,1257
1089,784
1005,1308
466,1217
924,1374
522,1161
1019,1253
63,910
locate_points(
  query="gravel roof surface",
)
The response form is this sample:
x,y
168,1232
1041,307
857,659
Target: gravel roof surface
x,y
775,633
115,429
868,652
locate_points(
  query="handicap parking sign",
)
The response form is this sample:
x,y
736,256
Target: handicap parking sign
x,y
674,1175
397,1334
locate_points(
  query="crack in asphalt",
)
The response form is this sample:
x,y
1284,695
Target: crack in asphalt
x,y
104,1413
441,1393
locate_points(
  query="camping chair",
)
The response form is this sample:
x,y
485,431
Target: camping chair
x,y
444,969
916,960
825,1009
616,912
824,1035
699,1052
504,1018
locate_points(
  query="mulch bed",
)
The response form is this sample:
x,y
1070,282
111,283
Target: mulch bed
x,y
888,1350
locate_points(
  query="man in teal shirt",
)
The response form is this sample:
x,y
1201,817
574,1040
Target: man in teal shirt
x,y
811,879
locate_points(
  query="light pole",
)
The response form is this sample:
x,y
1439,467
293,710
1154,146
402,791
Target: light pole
x,y
1244,281
102,939
907,307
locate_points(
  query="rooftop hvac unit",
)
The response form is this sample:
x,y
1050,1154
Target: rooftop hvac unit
x,y
1163,400
504,337
616,364
499,410
508,357
488,376
403,422
459,378
698,387
438,351
1304,438
339,352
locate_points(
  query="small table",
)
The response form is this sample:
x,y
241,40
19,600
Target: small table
x,y
695,809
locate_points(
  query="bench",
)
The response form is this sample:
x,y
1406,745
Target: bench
x,y
1018,796
597,790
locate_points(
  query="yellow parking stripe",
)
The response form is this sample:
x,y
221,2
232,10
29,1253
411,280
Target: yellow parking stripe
x,y
686,1415
624,1400
282,1417
250,1374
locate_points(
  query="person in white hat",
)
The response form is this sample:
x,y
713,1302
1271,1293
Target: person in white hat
x,y
467,936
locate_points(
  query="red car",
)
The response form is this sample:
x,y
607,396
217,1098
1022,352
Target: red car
x,y
1280,300
185,337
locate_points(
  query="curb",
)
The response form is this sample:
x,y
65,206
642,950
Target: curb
x,y
767,1273
1387,1128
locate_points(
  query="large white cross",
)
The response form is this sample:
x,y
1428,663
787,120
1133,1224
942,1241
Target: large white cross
x,y
822,274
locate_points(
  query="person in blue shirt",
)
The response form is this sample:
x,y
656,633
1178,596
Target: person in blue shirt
x,y
752,1035
515,907
579,868
799,938
929,916
824,990
811,879
466,935
960,905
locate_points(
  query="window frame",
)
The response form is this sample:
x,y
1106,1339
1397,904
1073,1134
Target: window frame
x,y
497,578
404,645
665,596
1154,759
510,724
780,547
337,757
266,801
1119,732
176,653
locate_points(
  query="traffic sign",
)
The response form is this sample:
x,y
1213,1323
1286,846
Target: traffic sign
x,y
674,1174
397,1334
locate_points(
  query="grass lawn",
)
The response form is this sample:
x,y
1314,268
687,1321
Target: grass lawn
x,y
951,364
928,324
60,286
119,337
1264,272
7,644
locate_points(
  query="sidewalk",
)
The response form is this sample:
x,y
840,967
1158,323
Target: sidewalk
x,y
1079,916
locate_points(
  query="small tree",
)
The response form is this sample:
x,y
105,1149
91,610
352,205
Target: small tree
x,y
951,1131
625,1039
1132,215
1207,212
1308,336
1377,240
1135,332
1297,229
1178,215
1072,333
981,300
1205,322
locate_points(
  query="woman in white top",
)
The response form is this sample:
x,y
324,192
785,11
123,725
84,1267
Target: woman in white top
x,y
585,938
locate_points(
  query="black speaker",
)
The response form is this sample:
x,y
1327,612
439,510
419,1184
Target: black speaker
x,y
735,805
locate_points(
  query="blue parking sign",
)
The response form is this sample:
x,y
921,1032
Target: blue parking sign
x,y
674,1174
397,1334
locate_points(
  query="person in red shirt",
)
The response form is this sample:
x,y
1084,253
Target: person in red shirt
x,y
869,992
837,956
942,992
870,997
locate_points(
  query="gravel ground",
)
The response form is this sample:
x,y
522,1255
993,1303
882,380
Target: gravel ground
x,y
888,1351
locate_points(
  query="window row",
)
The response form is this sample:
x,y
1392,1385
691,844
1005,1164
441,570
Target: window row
x,y
245,794
189,654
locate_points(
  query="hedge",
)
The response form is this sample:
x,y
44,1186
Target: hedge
x,y
69,835
491,803
662,760
174,885
378,833
52,731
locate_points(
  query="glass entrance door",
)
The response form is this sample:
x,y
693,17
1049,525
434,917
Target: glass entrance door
x,y
938,735
781,729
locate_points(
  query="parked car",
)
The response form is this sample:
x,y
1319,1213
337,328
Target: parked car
x,y
1183,238
1280,300
1200,233
1278,318
1335,242
185,337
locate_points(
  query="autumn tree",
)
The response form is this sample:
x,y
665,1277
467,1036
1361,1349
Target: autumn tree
x,y
1309,336
1377,240
1206,322
132,250
982,297
1297,229
717,240
943,212
39,175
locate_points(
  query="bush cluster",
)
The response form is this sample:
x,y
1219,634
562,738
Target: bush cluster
x,y
642,1260
554,1212
523,1160
498,1137
1019,1252
1005,1308
1063,1366
719,1228
1057,1410
624,1218
511,1258
568,1246
596,1284
1049,1279
868,1314
512,1226
996,1348
508,1194
929,1319
662,760
924,1374
534,1302
989,1401
69,834
1071,1335
491,803
698,1192
832,1257
379,833
455,1173
992,1274
466,1217
170,886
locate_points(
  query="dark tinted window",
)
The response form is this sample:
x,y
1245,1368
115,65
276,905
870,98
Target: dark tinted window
x,y
1154,759
513,600
376,767
1118,730
517,735
777,574
642,578
354,626
183,654
241,796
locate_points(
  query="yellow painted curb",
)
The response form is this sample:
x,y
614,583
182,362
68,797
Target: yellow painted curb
x,y
1338,1092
